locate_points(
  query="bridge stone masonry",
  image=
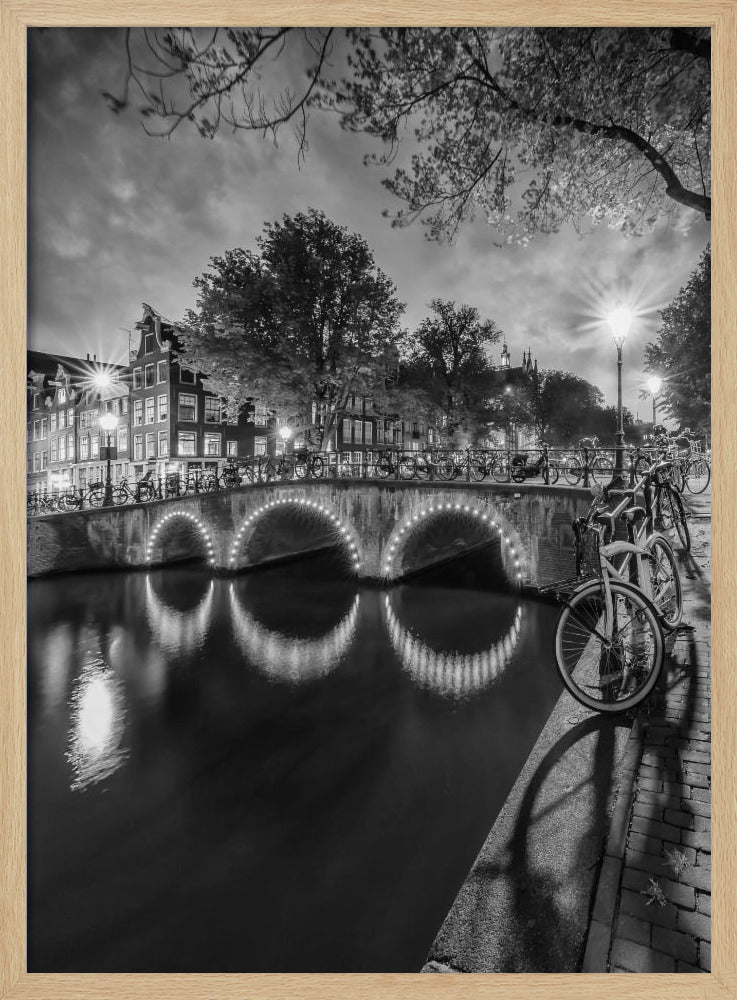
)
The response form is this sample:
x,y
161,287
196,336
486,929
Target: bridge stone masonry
x,y
385,530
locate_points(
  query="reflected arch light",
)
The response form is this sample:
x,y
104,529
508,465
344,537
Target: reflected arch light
x,y
178,632
97,722
401,533
182,514
288,658
452,674
344,533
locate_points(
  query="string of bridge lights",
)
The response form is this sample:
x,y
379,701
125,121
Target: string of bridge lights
x,y
309,505
189,517
398,534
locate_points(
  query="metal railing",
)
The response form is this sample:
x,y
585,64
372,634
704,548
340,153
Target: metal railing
x,y
551,466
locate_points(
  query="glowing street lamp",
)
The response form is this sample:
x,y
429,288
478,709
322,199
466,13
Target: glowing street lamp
x,y
108,422
285,433
654,383
620,320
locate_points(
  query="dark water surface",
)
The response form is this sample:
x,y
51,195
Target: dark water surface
x,y
283,773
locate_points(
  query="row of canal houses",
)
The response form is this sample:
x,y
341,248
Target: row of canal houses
x,y
166,421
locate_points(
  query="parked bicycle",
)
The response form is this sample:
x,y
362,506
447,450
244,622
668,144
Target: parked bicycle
x,y
143,491
587,458
609,642
392,464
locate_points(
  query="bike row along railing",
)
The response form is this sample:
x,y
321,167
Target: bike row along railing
x,y
579,468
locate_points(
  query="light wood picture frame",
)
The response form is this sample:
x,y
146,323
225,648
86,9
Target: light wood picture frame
x,y
15,17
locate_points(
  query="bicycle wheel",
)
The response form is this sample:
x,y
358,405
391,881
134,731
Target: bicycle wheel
x,y
698,475
120,495
477,469
602,470
553,473
609,676
573,471
669,510
383,467
500,470
665,581
317,468
446,469
96,497
407,468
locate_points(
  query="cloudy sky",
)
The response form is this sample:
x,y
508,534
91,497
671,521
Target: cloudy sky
x,y
117,218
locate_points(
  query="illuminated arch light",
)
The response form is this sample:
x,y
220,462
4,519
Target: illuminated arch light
x,y
453,674
349,536
397,534
179,632
284,658
189,517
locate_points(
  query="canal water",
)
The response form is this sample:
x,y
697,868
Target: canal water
x,y
281,772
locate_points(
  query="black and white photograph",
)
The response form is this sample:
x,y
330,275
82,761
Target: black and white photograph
x,y
368,496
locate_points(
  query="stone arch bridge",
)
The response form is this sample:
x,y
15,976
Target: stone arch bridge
x,y
385,530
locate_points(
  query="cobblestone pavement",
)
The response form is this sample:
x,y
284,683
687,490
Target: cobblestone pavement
x,y
652,909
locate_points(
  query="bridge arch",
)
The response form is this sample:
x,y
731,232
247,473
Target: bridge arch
x,y
478,512
343,532
163,525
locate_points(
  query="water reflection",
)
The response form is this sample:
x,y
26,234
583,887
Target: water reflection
x,y
97,722
288,657
453,673
178,631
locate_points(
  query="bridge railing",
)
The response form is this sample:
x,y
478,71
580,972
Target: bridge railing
x,y
581,466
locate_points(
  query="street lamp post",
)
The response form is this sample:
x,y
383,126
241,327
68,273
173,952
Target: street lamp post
x,y
108,424
620,320
285,433
654,383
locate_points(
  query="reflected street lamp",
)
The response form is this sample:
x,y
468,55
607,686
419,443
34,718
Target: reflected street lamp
x,y
620,320
108,423
654,383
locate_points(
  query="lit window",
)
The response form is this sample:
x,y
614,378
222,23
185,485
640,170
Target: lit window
x,y
36,429
163,444
95,445
347,424
233,449
358,431
62,448
259,446
70,447
70,418
161,371
84,448
260,415
163,408
212,444
138,378
137,412
186,443
212,410
150,410
149,375
123,438
150,446
61,396
54,449
187,407
36,401
62,419
368,431
44,459
137,447
44,431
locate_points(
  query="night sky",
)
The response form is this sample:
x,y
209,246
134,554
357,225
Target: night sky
x,y
117,218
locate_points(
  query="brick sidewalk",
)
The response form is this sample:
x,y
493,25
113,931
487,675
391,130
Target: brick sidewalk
x,y
652,909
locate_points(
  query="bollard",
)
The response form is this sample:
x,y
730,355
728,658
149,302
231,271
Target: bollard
x,y
586,482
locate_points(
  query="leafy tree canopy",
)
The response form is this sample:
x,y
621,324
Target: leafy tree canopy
x,y
533,127
681,354
308,319
448,370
